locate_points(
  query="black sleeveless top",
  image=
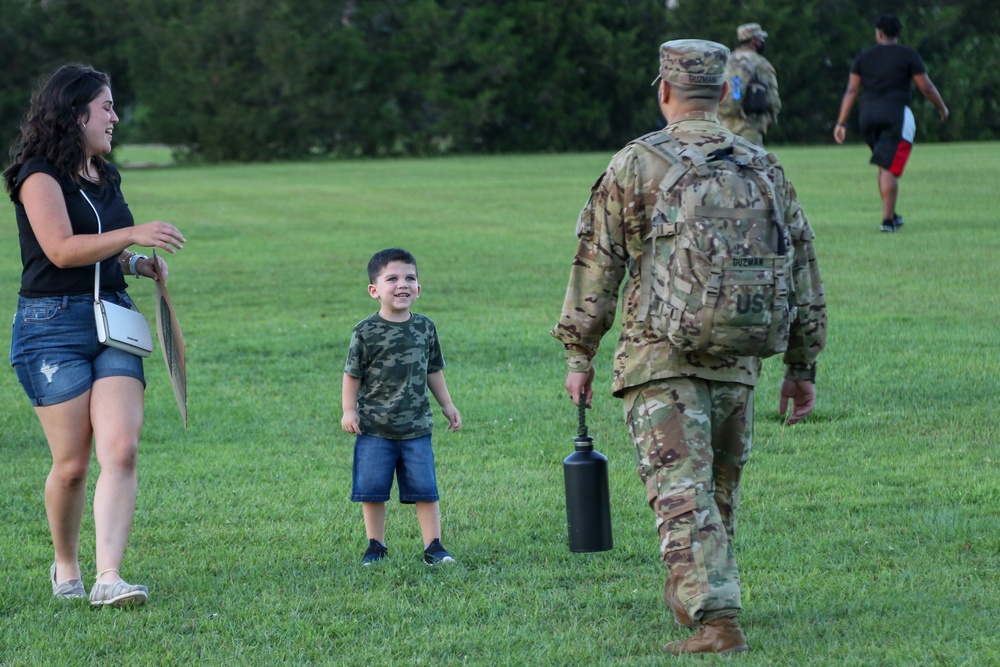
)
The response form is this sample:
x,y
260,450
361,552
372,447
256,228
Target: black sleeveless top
x,y
39,276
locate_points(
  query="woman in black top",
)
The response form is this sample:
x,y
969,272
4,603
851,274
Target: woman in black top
x,y
82,391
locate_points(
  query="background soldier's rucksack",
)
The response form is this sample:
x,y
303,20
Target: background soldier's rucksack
x,y
754,96
746,90
716,273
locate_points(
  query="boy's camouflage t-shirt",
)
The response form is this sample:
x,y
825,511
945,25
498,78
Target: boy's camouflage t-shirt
x,y
393,360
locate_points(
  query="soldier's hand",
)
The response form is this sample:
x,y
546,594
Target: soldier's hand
x,y
578,384
802,393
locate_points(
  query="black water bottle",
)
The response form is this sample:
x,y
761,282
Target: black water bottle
x,y
588,500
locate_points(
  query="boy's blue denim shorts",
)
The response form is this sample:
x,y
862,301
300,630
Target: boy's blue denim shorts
x,y
54,348
375,461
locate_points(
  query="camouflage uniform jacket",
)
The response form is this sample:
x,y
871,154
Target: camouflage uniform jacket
x,y
611,229
393,360
748,60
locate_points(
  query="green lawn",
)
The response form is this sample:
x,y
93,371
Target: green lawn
x,y
870,534
143,155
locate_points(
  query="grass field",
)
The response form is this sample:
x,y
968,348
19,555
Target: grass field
x,y
870,534
137,156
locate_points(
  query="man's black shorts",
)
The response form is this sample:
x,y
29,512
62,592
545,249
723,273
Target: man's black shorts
x,y
888,130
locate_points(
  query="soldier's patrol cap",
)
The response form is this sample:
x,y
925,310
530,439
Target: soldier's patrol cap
x,y
693,62
748,31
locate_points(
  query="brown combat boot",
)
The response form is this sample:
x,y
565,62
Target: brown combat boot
x,y
674,604
721,635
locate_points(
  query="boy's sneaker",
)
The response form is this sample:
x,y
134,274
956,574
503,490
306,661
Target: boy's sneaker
x,y
376,551
435,553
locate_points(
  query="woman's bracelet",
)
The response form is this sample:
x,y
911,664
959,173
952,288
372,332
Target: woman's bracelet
x,y
839,124
132,261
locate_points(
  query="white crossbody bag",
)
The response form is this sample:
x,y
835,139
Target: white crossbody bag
x,y
118,327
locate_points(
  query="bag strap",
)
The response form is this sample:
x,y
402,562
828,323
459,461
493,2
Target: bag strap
x,y
669,150
710,300
756,171
97,267
680,158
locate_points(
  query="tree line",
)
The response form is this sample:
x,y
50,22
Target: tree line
x,y
252,80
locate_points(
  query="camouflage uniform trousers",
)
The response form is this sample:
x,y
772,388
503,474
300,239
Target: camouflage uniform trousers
x,y
692,438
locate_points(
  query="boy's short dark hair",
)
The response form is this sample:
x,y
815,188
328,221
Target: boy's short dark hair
x,y
381,259
889,25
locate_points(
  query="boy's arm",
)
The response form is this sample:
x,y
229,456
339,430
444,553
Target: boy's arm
x,y
349,402
436,383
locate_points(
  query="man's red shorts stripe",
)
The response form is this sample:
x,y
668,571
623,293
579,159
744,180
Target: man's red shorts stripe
x,y
900,158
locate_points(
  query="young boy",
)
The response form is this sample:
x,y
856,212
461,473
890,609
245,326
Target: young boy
x,y
394,358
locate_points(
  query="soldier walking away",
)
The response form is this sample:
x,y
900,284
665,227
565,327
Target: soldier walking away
x,y
883,74
751,104
688,389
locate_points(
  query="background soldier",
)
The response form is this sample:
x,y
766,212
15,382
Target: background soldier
x,y
752,103
689,414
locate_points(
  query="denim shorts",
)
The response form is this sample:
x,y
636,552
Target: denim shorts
x,y
54,348
375,461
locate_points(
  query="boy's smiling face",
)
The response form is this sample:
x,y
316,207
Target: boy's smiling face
x,y
396,288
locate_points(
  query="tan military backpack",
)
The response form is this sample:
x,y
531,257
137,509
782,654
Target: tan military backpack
x,y
716,273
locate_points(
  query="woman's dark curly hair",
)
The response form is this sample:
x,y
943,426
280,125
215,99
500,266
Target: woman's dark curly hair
x,y
52,126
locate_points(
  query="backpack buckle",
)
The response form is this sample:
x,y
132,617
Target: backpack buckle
x,y
714,281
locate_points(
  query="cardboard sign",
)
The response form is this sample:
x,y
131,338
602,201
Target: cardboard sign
x,y
172,344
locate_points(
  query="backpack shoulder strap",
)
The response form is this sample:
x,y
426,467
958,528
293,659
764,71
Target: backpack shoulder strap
x,y
663,144
749,148
681,160
679,157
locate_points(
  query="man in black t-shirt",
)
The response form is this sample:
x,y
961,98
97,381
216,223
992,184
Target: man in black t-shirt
x,y
884,72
